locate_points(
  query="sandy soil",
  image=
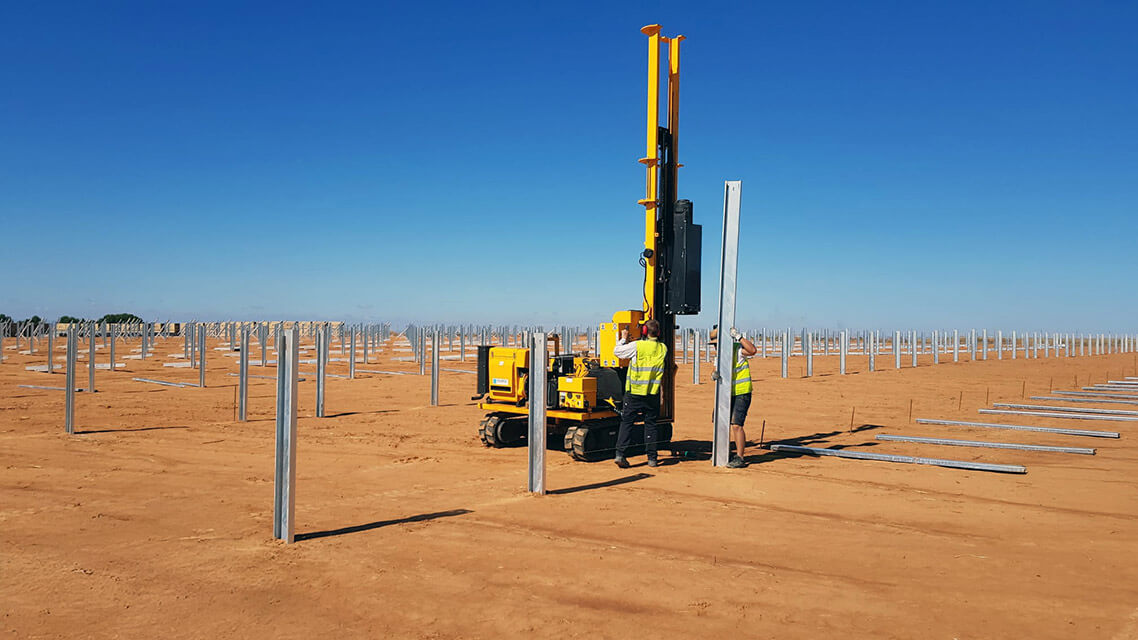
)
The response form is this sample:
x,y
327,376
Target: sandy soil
x,y
155,520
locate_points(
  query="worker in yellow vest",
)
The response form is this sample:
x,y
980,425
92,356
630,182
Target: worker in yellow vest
x,y
742,349
641,389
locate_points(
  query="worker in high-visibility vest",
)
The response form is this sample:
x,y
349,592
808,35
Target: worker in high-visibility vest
x,y
741,386
641,389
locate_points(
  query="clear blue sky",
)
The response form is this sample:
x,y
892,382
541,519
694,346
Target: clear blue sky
x,y
904,164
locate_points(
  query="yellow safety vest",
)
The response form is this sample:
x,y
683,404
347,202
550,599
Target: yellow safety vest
x,y
647,372
741,379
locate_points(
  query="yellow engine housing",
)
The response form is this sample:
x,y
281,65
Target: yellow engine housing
x,y
576,392
506,384
609,335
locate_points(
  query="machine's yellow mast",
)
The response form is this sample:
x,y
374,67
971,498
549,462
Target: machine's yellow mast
x,y
652,159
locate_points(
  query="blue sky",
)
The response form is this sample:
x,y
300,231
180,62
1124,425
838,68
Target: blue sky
x,y
966,164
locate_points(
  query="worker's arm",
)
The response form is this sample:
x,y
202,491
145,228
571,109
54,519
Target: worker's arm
x,y
746,347
624,349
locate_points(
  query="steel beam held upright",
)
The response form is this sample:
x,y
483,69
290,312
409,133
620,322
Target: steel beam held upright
x,y
843,351
695,363
352,355
872,348
808,345
896,349
90,356
284,497
536,401
725,354
243,377
422,348
321,368
193,335
201,355
69,389
435,369
786,345
51,350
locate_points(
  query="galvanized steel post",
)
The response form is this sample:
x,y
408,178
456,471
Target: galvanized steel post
x,y
874,349
90,356
695,361
808,345
843,350
321,368
536,401
896,349
69,390
725,357
785,354
435,368
201,356
284,498
243,377
422,349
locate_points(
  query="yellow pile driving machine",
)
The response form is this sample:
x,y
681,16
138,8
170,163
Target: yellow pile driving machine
x,y
585,390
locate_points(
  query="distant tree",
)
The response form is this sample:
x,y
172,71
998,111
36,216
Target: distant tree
x,y
120,318
70,319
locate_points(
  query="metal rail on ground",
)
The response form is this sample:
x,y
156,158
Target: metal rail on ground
x,y
884,457
988,445
1090,433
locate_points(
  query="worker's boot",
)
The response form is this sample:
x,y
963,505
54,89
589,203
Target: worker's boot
x,y
653,462
736,462
621,462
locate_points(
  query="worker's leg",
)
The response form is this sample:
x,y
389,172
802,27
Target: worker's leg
x,y
651,413
628,413
740,405
739,436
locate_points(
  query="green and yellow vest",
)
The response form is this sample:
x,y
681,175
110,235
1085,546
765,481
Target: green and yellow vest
x,y
647,372
741,378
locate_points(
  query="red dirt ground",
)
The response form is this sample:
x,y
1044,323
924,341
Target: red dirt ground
x,y
156,519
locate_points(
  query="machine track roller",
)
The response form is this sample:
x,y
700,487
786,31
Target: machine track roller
x,y
499,430
488,430
592,442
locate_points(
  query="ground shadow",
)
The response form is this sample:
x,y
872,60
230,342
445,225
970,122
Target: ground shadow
x,y
358,413
424,517
90,431
700,450
601,485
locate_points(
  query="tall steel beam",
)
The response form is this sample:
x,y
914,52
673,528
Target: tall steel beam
x,y
69,388
243,377
284,497
725,357
536,402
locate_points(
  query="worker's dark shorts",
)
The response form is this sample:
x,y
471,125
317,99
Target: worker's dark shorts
x,y
740,405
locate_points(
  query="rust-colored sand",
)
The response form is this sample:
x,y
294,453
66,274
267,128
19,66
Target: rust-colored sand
x,y
155,521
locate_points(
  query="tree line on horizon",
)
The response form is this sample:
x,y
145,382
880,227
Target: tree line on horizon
x,y
12,327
